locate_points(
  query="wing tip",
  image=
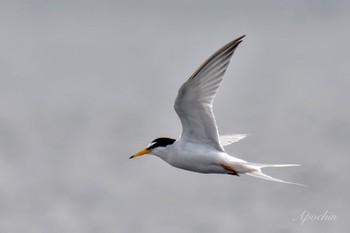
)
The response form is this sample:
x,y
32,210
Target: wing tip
x,y
238,40
241,37
232,45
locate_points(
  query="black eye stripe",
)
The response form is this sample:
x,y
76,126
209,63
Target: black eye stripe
x,y
161,142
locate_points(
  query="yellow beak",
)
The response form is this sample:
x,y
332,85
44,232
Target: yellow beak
x,y
141,152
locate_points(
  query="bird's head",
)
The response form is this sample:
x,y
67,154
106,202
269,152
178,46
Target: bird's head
x,y
156,147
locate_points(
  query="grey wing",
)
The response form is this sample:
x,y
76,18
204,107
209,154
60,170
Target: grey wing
x,y
194,102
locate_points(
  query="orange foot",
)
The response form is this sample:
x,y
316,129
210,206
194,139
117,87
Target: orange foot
x,y
230,170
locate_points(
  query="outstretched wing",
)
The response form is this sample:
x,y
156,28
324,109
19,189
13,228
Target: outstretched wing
x,y
226,140
194,102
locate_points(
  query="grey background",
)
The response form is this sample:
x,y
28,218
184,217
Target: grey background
x,y
85,84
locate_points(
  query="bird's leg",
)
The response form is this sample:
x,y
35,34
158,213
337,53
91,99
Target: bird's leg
x,y
230,170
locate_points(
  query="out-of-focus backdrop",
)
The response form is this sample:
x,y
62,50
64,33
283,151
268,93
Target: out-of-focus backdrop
x,y
85,84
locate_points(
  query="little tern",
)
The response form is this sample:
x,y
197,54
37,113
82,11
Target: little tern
x,y
199,147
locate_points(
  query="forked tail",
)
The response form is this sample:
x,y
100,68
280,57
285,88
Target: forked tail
x,y
259,174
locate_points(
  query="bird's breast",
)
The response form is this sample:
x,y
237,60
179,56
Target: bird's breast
x,y
195,158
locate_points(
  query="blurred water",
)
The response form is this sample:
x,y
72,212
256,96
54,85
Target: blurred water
x,y
85,84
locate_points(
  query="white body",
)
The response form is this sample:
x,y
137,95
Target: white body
x,y
200,158
203,158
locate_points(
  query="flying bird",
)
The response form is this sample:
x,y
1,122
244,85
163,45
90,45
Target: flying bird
x,y
200,148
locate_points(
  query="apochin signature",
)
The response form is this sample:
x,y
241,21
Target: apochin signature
x,y
308,216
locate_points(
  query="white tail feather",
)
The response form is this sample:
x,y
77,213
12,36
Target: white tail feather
x,y
273,165
259,174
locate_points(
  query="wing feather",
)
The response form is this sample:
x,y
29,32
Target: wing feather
x,y
194,102
226,140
